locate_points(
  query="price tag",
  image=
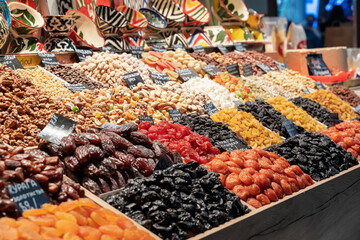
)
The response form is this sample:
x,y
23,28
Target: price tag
x,y
212,70
210,108
107,48
316,65
108,125
158,48
234,70
238,103
231,144
132,79
222,49
57,128
290,128
357,109
281,66
83,53
146,119
48,59
187,74
248,71
265,68
306,91
239,47
28,195
199,48
334,119
320,85
79,87
176,46
11,61
160,78
175,114
136,51
164,163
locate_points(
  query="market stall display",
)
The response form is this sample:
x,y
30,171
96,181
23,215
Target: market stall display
x,y
346,94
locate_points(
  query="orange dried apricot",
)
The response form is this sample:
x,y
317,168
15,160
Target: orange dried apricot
x,y
34,212
112,230
43,220
66,226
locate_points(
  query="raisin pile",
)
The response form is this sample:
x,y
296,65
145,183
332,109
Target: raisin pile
x,y
216,131
191,146
316,154
17,166
105,160
268,116
178,202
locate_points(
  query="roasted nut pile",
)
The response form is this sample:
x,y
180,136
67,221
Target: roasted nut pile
x,y
218,94
17,166
333,103
246,126
218,57
46,83
268,116
297,115
73,76
291,81
315,154
261,58
108,68
258,177
243,60
201,56
347,135
179,202
106,160
258,89
216,131
314,109
346,94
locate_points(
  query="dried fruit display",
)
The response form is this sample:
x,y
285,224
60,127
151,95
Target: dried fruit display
x,y
105,160
258,177
157,61
314,109
218,57
333,103
17,166
191,146
268,116
261,58
258,89
79,219
246,126
201,56
216,131
235,85
347,135
316,154
297,115
346,94
243,60
179,202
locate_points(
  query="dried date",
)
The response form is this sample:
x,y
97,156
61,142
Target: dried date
x,y
141,151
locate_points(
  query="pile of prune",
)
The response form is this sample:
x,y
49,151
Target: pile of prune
x,y
316,154
268,116
314,109
178,202
216,131
17,166
105,160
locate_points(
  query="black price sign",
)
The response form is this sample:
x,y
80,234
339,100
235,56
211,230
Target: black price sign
x,y
176,46
107,48
319,85
199,48
210,108
136,51
48,59
28,195
158,48
222,49
306,91
281,66
108,125
357,109
231,144
57,128
11,61
248,71
164,163
238,103
316,65
187,74
212,70
239,47
290,128
234,70
160,78
334,119
265,68
175,114
146,119
79,87
132,79
83,53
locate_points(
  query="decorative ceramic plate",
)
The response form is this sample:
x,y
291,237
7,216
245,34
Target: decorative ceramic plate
x,y
198,37
136,41
5,11
87,7
195,10
172,38
64,6
109,20
136,21
218,35
59,44
169,9
228,10
4,31
116,42
155,20
25,45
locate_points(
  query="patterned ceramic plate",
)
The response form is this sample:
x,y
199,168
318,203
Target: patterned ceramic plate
x,y
156,21
172,38
87,7
136,41
136,21
218,35
169,9
116,42
109,20
198,37
25,45
5,11
195,10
